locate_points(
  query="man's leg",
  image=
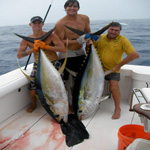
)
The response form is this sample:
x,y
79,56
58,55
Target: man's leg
x,y
33,98
114,88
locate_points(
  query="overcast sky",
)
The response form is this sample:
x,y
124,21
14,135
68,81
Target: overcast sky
x,y
19,12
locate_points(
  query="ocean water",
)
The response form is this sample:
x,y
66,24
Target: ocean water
x,y
137,31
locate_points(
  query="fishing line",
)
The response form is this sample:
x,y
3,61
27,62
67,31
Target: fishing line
x,y
43,22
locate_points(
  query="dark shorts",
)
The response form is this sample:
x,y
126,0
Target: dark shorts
x,y
113,76
73,64
32,86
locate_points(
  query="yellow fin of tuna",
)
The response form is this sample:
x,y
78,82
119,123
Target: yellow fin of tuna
x,y
65,61
28,77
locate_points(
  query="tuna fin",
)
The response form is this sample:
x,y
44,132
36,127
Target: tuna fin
x,y
102,30
74,130
42,38
78,32
28,77
65,61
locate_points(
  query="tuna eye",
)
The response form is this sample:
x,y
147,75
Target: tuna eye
x,y
79,111
56,116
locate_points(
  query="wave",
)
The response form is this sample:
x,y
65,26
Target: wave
x,y
125,24
144,51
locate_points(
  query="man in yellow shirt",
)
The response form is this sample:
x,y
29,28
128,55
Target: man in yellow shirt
x,y
111,48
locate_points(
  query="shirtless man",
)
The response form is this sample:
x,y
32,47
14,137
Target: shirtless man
x,y
74,20
36,23
76,53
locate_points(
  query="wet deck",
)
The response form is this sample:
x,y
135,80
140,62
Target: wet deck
x,y
38,131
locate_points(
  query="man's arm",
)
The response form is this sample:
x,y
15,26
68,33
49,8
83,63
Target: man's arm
x,y
129,58
22,52
58,44
87,26
60,30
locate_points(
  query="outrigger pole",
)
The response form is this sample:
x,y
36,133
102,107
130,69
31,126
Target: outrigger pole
x,y
43,22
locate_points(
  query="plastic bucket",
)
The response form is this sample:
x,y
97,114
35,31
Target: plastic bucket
x,y
128,133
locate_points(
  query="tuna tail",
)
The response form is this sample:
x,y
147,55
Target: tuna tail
x,y
74,130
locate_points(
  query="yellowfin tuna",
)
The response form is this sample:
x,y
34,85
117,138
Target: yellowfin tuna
x,y
54,94
88,86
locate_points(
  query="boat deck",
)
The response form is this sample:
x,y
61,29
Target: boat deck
x,y
37,130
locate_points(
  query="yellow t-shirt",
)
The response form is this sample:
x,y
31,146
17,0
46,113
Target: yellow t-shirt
x,y
111,52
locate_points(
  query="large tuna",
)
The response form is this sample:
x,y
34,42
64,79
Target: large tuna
x,y
50,89
89,85
89,82
52,95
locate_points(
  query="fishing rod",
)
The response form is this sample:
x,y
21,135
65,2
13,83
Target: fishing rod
x,y
43,22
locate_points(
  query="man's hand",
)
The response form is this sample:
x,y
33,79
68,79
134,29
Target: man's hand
x,y
36,45
44,46
95,37
84,38
116,68
41,44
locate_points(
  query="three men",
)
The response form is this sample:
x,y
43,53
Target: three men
x,y
111,48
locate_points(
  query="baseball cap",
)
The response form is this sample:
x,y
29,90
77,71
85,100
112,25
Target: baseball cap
x,y
36,18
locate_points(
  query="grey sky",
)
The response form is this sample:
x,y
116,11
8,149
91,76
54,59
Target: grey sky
x,y
18,12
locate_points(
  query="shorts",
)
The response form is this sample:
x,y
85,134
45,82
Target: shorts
x,y
32,85
72,53
113,76
33,74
